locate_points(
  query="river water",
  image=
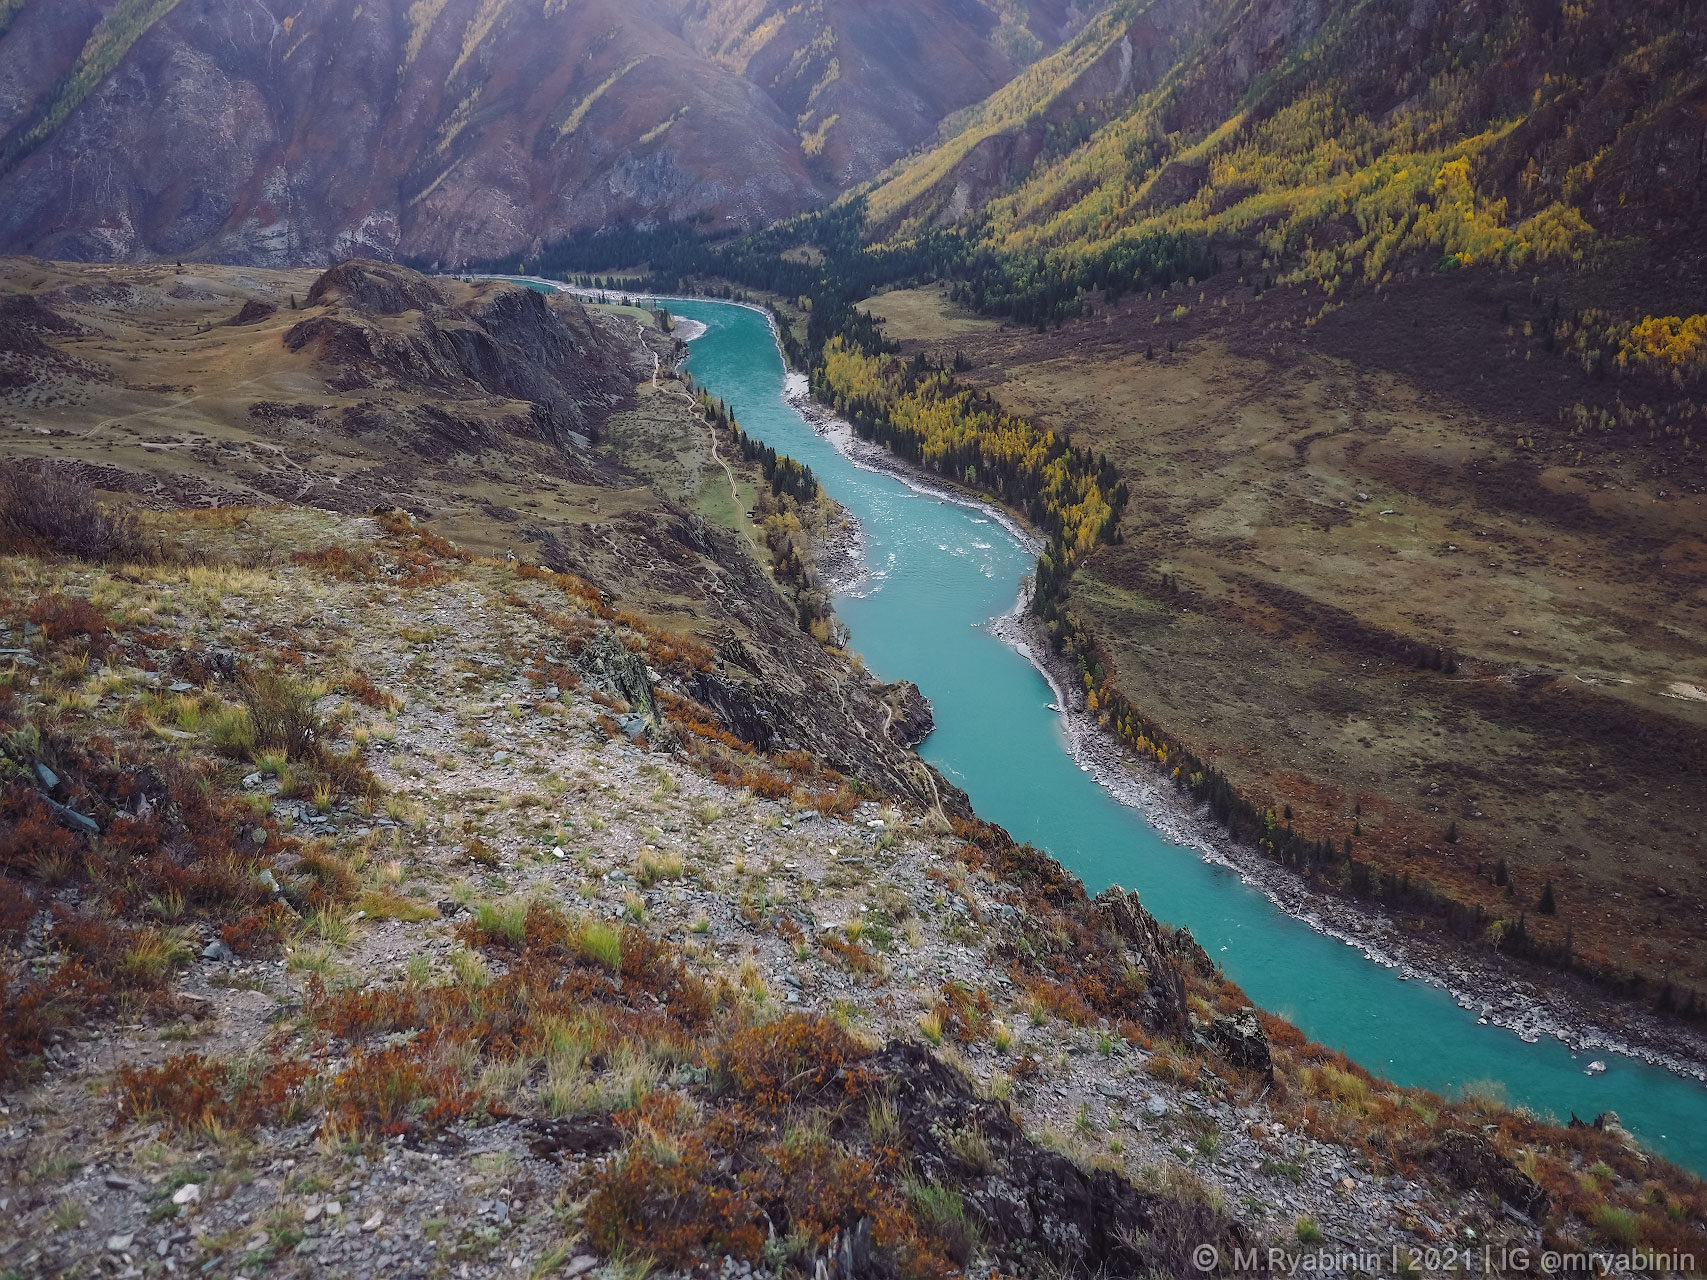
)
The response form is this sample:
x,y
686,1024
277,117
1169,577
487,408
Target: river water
x,y
938,573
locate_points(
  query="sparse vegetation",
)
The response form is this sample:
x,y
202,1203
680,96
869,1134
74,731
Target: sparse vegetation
x,y
48,508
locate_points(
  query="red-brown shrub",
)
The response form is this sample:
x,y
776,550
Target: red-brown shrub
x,y
798,1058
63,618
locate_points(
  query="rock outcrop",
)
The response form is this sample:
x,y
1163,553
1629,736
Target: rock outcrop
x,y
911,716
1034,1207
508,341
1469,1161
253,312
1241,1039
1150,950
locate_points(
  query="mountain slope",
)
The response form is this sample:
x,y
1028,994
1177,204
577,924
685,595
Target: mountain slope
x,y
1389,315
1343,139
446,129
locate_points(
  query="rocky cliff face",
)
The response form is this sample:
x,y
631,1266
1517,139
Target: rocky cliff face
x,y
278,133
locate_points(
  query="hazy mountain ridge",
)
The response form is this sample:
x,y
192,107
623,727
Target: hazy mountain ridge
x,y
460,128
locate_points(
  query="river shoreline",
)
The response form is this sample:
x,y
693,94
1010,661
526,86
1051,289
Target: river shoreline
x,y
875,458
1519,1002
1526,1005
1515,1001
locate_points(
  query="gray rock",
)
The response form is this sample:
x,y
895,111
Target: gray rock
x,y
71,818
1241,1038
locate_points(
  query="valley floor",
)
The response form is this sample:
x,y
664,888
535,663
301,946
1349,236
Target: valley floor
x,y
1379,586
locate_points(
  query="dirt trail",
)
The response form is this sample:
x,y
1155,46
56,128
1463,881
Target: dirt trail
x,y
167,408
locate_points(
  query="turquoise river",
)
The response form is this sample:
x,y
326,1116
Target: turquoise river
x,y
939,572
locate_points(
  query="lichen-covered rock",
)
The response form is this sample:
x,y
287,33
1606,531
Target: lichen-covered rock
x,y
1240,1037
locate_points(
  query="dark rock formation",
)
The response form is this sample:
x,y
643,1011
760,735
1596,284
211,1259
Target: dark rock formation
x,y
1151,951
911,718
1164,955
508,341
1036,1210
253,312
737,705
376,288
1241,1039
1469,1161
